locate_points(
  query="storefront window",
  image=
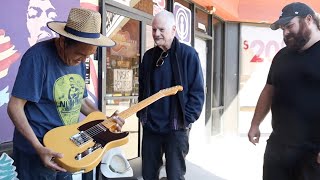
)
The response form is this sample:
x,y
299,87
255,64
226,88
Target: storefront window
x,y
184,3
201,21
151,7
122,73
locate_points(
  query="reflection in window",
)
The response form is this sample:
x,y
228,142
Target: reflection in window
x,y
122,64
123,58
148,6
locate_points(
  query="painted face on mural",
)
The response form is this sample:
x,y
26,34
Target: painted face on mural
x,y
296,33
38,14
162,33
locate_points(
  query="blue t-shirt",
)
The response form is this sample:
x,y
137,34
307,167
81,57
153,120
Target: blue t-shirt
x,y
53,91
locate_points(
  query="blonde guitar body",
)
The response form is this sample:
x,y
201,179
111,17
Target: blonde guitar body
x,y
83,144
58,140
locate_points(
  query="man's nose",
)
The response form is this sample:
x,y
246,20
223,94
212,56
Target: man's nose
x,y
157,32
285,32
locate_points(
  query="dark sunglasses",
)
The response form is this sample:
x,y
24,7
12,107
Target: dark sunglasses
x,y
160,61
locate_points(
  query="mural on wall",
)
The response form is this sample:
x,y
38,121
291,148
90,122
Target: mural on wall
x,y
24,26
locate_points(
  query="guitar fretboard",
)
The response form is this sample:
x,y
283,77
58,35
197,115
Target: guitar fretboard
x,y
135,108
110,124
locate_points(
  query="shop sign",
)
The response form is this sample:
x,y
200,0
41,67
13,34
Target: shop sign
x,y
183,23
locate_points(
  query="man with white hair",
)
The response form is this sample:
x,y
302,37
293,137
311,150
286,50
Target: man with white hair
x,y
167,122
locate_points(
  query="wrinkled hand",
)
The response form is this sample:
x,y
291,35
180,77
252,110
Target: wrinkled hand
x,y
47,156
119,121
254,134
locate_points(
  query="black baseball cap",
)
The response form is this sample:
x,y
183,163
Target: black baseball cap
x,y
290,11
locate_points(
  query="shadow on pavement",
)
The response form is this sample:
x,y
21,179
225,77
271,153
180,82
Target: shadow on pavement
x,y
194,171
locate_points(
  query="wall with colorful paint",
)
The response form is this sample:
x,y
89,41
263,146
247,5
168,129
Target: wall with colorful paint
x,y
22,24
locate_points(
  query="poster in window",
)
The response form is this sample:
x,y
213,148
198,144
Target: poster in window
x,y
122,80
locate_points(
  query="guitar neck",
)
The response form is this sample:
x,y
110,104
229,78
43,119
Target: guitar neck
x,y
146,102
137,107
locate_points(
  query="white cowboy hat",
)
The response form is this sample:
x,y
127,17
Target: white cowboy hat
x,y
83,25
114,164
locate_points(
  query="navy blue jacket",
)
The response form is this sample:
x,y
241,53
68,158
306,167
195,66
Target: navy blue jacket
x,y
187,72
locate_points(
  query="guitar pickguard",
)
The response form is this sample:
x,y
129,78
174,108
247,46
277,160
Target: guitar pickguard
x,y
105,136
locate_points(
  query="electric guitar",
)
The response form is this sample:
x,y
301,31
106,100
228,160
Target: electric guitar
x,y
84,144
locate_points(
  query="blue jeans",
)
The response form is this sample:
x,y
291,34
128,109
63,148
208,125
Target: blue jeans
x,y
175,146
290,163
30,167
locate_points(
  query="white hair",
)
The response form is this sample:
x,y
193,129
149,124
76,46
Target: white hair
x,y
168,16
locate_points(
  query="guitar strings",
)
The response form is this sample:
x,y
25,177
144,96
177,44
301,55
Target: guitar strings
x,y
94,130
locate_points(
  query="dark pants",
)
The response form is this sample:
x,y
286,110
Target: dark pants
x,y
175,146
283,162
30,167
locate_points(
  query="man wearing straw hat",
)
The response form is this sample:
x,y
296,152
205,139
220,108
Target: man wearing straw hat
x,y
41,97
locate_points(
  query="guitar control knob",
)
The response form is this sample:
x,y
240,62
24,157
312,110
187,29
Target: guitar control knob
x,y
79,156
90,150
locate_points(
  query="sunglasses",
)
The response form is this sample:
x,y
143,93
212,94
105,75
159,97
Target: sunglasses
x,y
160,61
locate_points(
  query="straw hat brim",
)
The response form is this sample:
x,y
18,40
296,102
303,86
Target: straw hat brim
x,y
58,27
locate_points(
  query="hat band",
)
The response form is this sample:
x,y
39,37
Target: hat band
x,y
81,34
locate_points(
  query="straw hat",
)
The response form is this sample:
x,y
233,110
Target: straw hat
x,y
83,25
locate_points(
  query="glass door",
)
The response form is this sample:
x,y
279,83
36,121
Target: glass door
x,y
132,35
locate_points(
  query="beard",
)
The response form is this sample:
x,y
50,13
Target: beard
x,y
295,41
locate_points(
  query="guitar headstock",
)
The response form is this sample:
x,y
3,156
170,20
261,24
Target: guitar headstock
x,y
171,91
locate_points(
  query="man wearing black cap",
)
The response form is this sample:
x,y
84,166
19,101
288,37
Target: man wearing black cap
x,y
292,92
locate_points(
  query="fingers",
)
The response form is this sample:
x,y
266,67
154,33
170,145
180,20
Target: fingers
x,y
254,140
254,134
48,157
120,122
115,113
57,155
254,137
118,128
54,166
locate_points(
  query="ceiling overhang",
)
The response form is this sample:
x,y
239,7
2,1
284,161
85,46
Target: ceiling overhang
x,y
256,11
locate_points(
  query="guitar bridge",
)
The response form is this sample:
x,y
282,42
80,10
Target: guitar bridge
x,y
81,138
90,150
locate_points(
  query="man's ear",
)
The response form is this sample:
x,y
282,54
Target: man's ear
x,y
174,29
309,19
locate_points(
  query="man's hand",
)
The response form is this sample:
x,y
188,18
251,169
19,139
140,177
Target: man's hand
x,y
318,158
47,156
254,134
119,121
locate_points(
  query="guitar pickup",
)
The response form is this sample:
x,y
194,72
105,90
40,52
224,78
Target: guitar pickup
x,y
81,138
79,156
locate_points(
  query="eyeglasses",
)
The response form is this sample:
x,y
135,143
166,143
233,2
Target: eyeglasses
x,y
160,61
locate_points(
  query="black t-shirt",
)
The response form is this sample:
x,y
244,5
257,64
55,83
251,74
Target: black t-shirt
x,y
295,107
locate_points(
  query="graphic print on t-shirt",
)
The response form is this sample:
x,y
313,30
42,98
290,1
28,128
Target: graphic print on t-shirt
x,y
68,93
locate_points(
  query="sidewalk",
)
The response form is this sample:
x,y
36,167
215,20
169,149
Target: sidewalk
x,y
226,158
223,158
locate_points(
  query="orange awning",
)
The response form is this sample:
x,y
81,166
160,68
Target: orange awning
x,y
257,11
